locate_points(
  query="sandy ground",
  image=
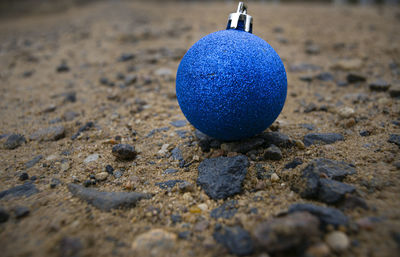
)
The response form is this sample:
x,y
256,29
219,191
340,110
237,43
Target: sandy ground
x,y
90,40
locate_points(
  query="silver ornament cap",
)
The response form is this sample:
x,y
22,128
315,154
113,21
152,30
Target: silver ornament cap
x,y
240,16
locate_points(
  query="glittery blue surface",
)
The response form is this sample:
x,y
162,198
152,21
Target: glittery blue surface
x,y
231,85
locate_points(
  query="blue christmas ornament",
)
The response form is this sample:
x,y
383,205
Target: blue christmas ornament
x,y
231,84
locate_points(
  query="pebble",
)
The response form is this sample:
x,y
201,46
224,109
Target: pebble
x,y
201,226
32,162
23,176
85,127
21,211
337,241
274,177
394,90
92,158
54,182
273,153
331,191
394,139
170,171
109,169
69,115
101,176
157,130
312,49
243,146
26,189
346,112
222,177
48,134
294,163
176,218
184,234
287,233
124,152
379,85
126,57
355,78
4,216
177,154
164,149
14,141
154,243
70,246
226,211
64,167
318,250
69,97
63,67
322,138
326,215
277,138
311,107
235,239
303,67
107,201
348,64
178,123
325,76
168,185
130,79
206,142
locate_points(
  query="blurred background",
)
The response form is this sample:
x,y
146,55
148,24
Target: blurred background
x,y
21,7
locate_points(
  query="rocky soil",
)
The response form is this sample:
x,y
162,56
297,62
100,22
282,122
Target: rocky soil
x,y
98,160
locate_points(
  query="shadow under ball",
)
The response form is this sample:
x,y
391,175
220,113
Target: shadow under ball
x,y
231,84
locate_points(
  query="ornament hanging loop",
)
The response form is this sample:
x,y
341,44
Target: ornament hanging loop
x,y
240,19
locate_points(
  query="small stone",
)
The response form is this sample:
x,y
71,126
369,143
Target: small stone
x,y
107,201
277,138
322,138
184,234
394,139
310,108
130,79
168,185
54,182
48,134
21,211
164,149
154,243
243,146
325,76
70,246
293,164
109,169
226,211
154,131
289,232
206,142
92,158
32,162
201,226
274,177
355,78
124,152
14,141
379,85
273,153
348,64
312,49
365,133
178,123
306,78
177,154
126,57
101,176
64,167
170,171
331,191
222,177
337,241
176,218
185,186
4,216
69,97
23,176
85,127
237,240
164,72
26,189
346,112
394,90
318,250
326,215
63,67
69,115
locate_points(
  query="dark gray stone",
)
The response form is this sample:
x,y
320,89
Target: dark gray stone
x,y
276,138
237,240
326,215
107,201
24,176
126,57
124,152
302,67
243,146
14,141
70,247
85,127
206,142
331,191
379,85
48,134
157,130
325,76
223,176
26,189
21,211
395,91
293,164
178,123
394,139
336,170
4,216
226,211
182,133
322,138
355,78
54,182
177,154
311,107
32,162
167,185
69,97
176,218
63,67
273,153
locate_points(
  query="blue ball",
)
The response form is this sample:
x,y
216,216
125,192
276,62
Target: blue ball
x,y
231,85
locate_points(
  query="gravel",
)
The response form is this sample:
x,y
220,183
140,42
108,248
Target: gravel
x,y
237,240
